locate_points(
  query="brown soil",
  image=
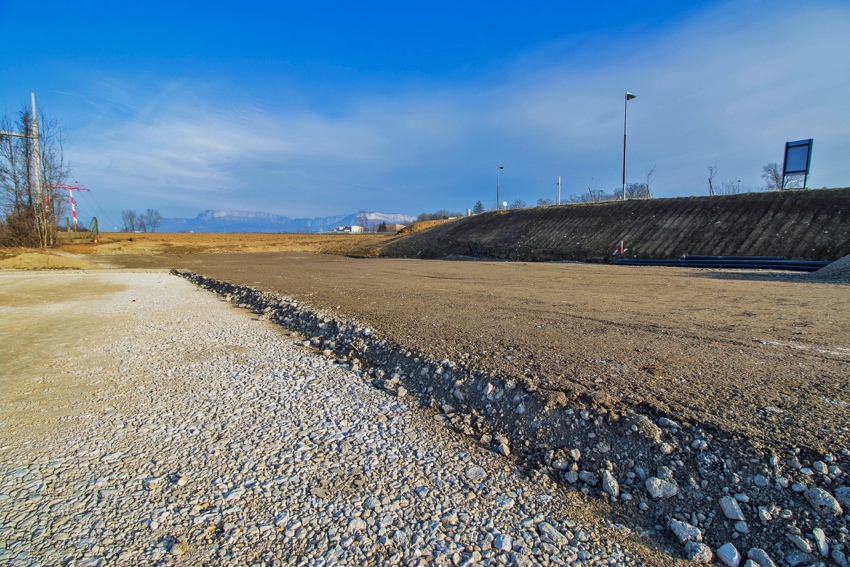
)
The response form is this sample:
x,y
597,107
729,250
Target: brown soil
x,y
699,346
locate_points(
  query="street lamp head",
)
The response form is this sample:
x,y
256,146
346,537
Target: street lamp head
x,y
629,96
501,167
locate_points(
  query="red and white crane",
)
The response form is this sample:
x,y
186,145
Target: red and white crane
x,y
71,189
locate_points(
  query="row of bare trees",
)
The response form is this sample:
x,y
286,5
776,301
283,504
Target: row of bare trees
x,y
770,173
148,220
30,202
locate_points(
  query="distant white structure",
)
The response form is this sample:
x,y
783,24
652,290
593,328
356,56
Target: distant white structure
x,y
349,229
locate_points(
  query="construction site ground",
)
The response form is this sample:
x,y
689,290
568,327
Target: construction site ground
x,y
702,346
757,360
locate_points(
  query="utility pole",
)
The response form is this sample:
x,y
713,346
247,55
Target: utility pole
x,y
629,96
35,177
498,172
559,189
39,189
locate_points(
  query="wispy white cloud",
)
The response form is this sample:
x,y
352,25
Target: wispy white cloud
x,y
722,87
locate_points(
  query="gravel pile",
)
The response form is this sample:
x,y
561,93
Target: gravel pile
x,y
211,439
836,272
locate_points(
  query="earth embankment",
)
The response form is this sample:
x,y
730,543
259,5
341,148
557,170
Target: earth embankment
x,y
806,225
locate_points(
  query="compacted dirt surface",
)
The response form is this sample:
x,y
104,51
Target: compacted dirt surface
x,y
762,358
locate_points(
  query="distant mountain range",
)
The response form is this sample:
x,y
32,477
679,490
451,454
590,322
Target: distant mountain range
x,y
242,221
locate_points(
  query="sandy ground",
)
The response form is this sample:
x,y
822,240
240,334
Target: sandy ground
x,y
47,318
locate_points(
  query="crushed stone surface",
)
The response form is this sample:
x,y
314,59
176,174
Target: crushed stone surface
x,y
144,421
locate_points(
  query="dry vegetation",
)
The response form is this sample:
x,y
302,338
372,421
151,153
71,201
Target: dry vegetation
x,y
204,243
423,225
75,249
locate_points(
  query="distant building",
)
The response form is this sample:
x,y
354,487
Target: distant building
x,y
349,229
388,227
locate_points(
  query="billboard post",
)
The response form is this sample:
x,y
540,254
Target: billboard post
x,y
798,159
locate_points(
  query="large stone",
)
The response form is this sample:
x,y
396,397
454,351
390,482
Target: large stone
x,y
729,555
661,489
823,502
589,478
475,473
821,541
371,503
731,509
843,495
549,532
684,531
796,558
761,557
610,484
839,558
698,552
503,542
800,542
400,537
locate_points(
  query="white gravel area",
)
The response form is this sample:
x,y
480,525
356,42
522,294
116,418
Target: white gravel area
x,y
202,435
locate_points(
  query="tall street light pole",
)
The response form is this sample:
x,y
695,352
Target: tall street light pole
x,y
629,96
498,172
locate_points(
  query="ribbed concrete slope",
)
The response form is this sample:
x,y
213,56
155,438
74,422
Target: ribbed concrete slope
x,y
806,225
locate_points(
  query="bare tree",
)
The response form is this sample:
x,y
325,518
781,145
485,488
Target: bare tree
x,y
728,188
27,218
648,180
363,220
544,202
596,196
441,214
637,191
518,204
712,173
772,175
774,181
129,219
152,219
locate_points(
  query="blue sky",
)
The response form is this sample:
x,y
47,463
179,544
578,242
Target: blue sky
x,y
320,108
